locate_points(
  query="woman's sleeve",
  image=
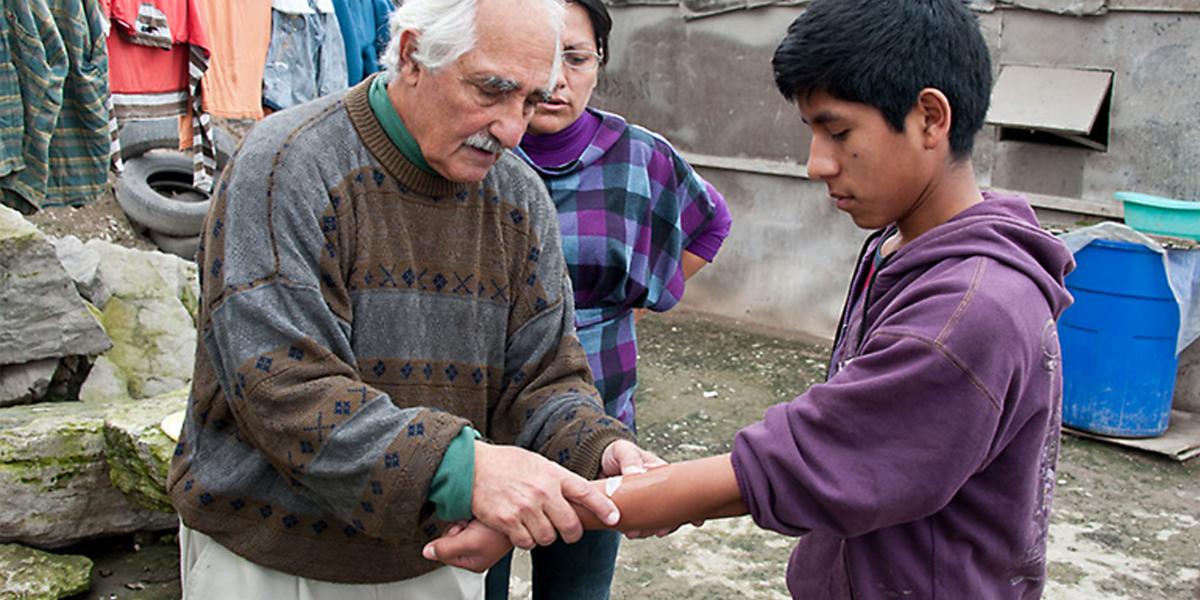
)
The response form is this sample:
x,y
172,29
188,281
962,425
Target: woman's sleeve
x,y
707,239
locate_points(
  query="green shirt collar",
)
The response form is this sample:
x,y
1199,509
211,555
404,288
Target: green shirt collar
x,y
393,126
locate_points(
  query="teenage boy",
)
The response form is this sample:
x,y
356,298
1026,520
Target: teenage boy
x,y
924,466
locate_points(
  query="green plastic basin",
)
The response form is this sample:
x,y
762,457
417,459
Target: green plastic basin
x,y
1162,216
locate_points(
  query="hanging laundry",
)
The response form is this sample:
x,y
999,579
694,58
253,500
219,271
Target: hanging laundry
x,y
364,25
306,58
239,32
151,28
151,82
54,137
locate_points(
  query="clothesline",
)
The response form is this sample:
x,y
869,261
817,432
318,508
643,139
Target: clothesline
x,y
61,110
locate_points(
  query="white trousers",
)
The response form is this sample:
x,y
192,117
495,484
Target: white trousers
x,y
209,571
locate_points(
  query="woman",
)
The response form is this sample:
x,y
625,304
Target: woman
x,y
636,222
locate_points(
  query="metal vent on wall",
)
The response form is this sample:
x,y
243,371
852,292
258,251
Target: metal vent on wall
x,y
1052,105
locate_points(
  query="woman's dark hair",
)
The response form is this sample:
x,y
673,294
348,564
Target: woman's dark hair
x,y
882,53
601,24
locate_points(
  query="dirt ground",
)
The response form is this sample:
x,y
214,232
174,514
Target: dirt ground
x,y
102,219
1126,524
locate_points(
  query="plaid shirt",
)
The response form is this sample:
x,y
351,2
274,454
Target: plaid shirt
x,y
627,208
54,135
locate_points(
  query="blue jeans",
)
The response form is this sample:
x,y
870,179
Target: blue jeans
x,y
305,59
579,571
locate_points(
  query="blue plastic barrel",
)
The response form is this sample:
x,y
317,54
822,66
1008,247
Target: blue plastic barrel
x,y
1118,342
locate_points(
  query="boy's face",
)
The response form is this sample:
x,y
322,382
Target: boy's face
x,y
875,174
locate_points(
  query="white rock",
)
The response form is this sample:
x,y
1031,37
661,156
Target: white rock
x,y
133,274
83,265
105,383
154,343
139,451
150,317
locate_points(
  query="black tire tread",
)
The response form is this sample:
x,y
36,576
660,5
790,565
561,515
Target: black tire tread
x,y
144,205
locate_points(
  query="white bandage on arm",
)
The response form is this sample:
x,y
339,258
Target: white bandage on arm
x,y
611,484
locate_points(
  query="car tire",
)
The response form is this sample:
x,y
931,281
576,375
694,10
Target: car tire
x,y
143,135
183,247
156,191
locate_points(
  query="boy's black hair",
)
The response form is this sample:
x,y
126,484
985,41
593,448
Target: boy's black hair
x,y
882,53
601,24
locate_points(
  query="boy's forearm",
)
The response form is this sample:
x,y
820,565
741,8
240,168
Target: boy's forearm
x,y
670,496
661,498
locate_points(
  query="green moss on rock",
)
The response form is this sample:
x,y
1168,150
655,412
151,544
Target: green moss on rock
x,y
33,574
139,453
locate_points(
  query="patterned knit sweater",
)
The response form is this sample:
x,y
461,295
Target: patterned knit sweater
x,y
356,314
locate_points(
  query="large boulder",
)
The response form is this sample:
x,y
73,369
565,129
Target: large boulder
x,y
138,450
43,315
36,575
154,343
132,274
55,478
148,308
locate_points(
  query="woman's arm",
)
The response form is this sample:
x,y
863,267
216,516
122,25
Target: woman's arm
x,y
691,264
660,498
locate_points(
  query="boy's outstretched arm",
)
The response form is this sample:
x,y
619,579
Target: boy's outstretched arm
x,y
661,498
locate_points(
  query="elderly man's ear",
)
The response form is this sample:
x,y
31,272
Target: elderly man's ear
x,y
409,69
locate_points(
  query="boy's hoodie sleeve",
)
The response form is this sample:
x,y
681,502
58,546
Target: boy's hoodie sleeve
x,y
889,439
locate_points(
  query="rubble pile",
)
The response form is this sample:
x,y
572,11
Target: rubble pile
x,y
96,349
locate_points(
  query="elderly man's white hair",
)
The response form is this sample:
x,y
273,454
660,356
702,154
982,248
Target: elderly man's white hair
x,y
447,31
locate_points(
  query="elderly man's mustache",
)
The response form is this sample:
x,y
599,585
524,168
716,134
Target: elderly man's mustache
x,y
485,141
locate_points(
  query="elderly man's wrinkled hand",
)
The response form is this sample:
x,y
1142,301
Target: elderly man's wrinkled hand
x,y
528,498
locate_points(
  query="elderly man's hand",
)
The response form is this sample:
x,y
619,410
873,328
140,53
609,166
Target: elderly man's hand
x,y
527,498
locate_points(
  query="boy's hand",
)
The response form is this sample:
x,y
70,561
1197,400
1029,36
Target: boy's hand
x,y
473,546
623,457
636,534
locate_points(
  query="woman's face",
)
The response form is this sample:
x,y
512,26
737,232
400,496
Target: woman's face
x,y
579,70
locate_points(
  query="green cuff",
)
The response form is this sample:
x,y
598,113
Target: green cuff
x,y
450,490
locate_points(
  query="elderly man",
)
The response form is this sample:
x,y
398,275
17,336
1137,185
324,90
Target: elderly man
x,y
383,286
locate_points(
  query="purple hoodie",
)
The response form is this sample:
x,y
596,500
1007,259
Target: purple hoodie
x,y
924,466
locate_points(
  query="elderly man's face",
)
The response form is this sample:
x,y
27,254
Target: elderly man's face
x,y
464,115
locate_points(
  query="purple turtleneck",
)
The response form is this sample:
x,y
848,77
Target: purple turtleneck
x,y
561,148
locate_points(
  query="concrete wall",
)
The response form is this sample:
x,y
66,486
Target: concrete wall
x,y
1154,138
706,85
788,259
